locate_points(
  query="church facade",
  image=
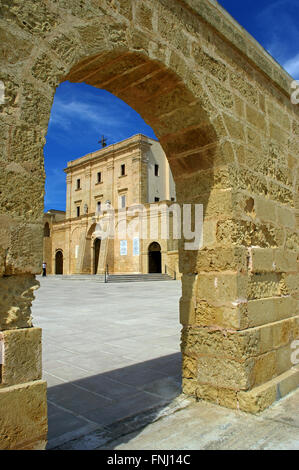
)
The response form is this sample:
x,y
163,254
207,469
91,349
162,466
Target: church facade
x,y
117,199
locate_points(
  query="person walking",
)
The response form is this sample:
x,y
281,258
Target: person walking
x,y
44,269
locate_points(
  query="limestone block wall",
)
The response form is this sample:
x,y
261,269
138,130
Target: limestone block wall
x,y
124,263
221,109
47,253
172,264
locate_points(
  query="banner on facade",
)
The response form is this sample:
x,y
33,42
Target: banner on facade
x,y
135,246
123,247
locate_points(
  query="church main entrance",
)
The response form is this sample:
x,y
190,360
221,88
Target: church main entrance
x,y
154,258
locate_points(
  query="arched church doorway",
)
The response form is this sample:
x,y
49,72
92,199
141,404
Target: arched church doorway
x,y
154,258
59,262
97,247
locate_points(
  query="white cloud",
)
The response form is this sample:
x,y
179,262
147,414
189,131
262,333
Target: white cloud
x,y
278,26
292,66
94,115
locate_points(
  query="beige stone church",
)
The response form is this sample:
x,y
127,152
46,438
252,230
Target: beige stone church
x,y
126,176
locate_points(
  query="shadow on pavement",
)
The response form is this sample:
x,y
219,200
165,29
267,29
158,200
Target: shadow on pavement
x,y
91,411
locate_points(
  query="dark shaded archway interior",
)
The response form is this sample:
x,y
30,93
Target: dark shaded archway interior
x,y
59,262
97,247
47,230
154,258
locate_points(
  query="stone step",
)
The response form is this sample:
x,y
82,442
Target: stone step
x,y
81,277
138,277
112,277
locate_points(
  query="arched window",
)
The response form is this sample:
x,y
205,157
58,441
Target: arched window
x,y
47,230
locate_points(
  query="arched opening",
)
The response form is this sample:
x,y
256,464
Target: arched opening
x,y
154,258
46,230
59,262
182,128
160,97
83,252
97,248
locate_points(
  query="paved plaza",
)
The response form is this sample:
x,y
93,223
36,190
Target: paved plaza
x,y
111,359
110,351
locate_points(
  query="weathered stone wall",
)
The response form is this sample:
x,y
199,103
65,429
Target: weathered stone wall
x,y
220,107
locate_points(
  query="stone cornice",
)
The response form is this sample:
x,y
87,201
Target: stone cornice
x,y
91,215
137,142
217,17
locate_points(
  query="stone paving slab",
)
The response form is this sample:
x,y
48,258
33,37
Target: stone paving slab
x,y
205,426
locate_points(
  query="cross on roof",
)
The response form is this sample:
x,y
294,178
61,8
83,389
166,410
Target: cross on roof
x,y
103,141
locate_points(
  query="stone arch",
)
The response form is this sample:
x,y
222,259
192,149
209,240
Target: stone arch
x,y
91,230
89,255
174,111
221,110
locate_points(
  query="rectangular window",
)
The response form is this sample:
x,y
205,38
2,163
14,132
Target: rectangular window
x,y
122,202
78,211
78,183
156,170
122,169
157,199
99,177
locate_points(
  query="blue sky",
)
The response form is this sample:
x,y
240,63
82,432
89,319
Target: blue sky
x,y
274,24
81,114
